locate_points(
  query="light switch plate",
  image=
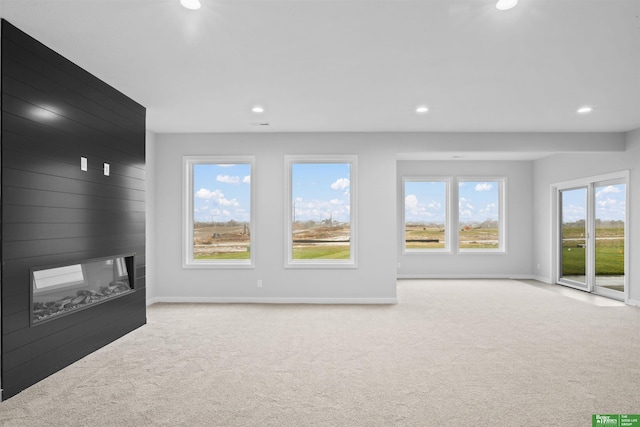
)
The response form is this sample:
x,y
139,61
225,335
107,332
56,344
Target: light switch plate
x,y
106,169
83,164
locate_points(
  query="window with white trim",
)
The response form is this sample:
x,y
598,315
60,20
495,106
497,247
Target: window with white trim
x,y
481,216
426,214
218,211
321,211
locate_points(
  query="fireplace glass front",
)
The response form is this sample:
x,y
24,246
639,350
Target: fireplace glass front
x,y
64,289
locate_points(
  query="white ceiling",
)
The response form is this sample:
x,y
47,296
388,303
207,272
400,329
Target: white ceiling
x,y
355,65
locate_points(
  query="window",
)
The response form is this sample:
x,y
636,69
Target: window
x,y
481,215
426,210
219,218
321,211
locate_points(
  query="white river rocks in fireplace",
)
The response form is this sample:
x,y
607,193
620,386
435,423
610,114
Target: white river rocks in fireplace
x,y
61,290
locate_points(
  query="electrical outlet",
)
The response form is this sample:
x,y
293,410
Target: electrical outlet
x,y
259,283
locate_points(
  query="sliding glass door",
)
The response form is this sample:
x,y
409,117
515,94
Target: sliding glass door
x,y
592,230
609,231
574,236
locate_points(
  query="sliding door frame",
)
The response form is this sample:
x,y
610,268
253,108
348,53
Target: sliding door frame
x,y
556,232
600,290
560,277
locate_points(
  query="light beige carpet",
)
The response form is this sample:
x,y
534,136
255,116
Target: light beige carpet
x,y
463,353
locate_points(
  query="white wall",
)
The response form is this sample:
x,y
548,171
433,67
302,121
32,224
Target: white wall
x,y
566,167
515,262
150,198
375,278
373,281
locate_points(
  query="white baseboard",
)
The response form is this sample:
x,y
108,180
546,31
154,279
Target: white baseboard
x,y
543,280
151,301
467,276
633,302
259,300
522,277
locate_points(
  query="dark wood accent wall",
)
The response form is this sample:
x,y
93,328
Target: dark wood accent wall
x,y
54,112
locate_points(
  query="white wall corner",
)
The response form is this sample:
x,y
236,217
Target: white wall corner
x,y
543,279
150,214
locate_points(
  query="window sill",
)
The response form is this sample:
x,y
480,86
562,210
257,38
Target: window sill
x,y
333,264
218,265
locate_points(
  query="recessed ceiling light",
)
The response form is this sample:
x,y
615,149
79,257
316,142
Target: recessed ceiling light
x,y
584,110
257,109
506,4
422,109
191,4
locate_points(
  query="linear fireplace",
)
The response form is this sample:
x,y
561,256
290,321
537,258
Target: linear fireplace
x,y
63,289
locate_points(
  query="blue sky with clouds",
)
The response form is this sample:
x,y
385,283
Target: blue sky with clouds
x,y
321,190
610,203
478,201
574,205
425,202
222,192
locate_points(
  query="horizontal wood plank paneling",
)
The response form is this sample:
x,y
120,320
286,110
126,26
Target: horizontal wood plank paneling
x,y
63,147
122,176
22,231
35,113
52,215
53,113
13,195
41,248
36,181
51,92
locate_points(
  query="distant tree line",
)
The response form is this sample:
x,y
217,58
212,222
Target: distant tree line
x,y
311,223
617,223
230,223
425,224
473,224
